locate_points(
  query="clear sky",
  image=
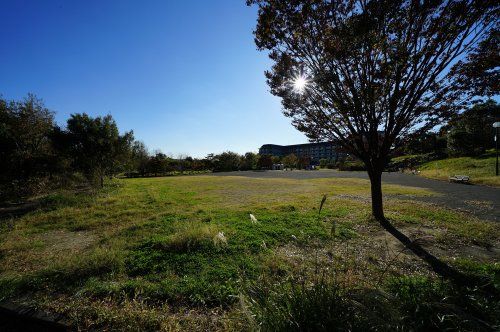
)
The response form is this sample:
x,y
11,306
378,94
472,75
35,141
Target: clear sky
x,y
185,75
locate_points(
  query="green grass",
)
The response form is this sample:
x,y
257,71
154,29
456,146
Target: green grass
x,y
480,169
145,251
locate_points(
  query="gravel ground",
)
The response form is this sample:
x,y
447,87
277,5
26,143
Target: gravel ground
x,y
481,201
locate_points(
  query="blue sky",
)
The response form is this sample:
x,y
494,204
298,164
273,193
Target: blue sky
x,y
184,75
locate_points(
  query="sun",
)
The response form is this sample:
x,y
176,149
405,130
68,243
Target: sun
x,y
299,84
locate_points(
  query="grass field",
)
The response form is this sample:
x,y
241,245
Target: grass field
x,y
480,169
181,253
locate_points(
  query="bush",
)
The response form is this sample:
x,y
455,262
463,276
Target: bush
x,y
352,165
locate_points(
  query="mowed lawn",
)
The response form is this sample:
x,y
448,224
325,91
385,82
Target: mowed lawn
x,y
181,253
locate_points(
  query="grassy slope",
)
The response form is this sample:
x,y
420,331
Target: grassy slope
x,y
480,169
145,253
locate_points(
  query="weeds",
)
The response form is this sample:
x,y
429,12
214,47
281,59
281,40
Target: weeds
x,y
322,303
434,305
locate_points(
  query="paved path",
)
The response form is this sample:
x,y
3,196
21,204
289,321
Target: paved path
x,y
482,201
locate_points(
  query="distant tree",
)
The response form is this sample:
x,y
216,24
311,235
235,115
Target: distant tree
x,y
365,73
187,163
139,157
25,146
207,162
200,165
276,159
181,163
226,162
303,162
422,143
290,161
95,145
332,163
157,164
265,162
249,161
471,132
460,143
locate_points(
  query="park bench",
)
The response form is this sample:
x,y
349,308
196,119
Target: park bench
x,y
459,178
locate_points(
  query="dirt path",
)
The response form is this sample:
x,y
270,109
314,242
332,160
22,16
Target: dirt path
x,y
481,201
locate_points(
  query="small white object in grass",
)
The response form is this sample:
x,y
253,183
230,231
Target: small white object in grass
x,y
294,237
263,245
220,239
253,219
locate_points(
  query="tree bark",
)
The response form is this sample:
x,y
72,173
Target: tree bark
x,y
376,193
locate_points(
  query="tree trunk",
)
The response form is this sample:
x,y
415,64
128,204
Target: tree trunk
x,y
376,191
435,263
102,181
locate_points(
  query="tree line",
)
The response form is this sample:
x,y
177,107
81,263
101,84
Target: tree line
x,y
159,164
144,164
37,155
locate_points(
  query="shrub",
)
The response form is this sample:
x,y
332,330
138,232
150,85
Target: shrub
x,y
323,163
352,165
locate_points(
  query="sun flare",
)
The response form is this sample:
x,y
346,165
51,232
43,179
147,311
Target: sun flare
x,y
299,84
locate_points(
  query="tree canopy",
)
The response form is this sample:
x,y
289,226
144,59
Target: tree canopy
x,y
478,74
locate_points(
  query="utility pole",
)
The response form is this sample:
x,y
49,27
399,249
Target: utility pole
x,y
496,125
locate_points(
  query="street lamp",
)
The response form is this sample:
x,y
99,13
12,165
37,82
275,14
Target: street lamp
x,y
496,125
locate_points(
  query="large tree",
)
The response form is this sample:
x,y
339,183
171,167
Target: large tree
x,y
226,162
365,73
95,145
249,161
25,127
290,161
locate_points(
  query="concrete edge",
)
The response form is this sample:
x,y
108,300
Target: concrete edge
x,y
15,317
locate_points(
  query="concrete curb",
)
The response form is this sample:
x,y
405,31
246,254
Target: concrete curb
x,y
14,317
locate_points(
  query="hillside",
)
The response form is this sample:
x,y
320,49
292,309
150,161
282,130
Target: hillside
x,y
480,169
